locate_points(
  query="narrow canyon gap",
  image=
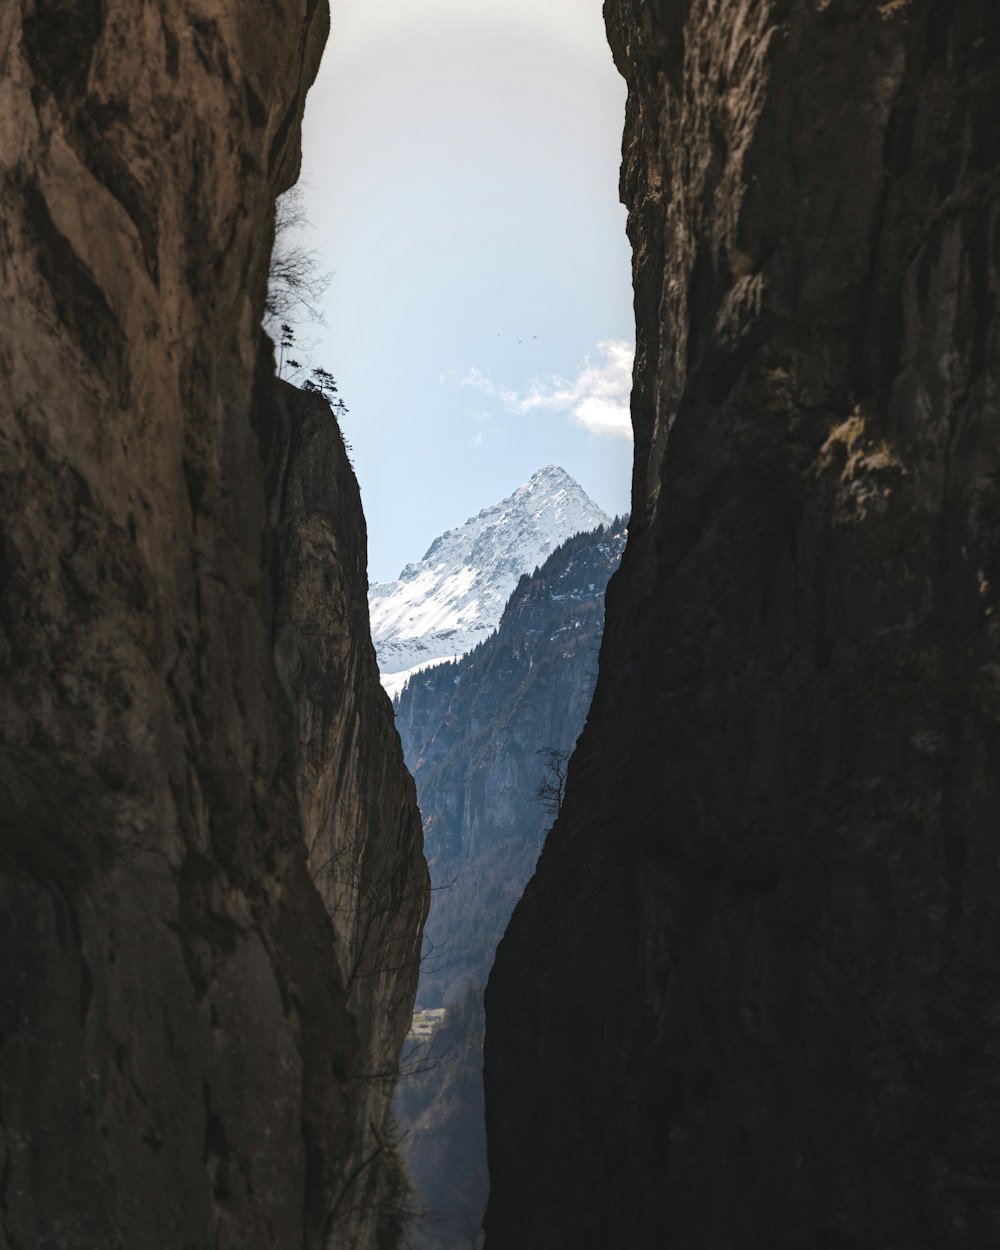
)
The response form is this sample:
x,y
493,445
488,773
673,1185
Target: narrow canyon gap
x,y
211,878
749,997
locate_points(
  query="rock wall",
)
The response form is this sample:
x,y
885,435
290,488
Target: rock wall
x,y
189,1052
472,731
359,818
749,997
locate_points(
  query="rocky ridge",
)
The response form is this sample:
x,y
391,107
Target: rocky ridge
x,y
201,792
751,987
472,731
451,600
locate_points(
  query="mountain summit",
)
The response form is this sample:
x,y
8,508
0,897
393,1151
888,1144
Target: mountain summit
x,y
452,599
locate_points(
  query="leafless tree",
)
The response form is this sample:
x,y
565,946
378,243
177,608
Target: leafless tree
x,y
295,284
373,906
552,790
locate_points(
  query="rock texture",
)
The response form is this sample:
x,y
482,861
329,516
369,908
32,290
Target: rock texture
x,y
474,733
357,802
749,998
190,1053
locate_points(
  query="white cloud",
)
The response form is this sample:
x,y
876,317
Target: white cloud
x,y
486,386
488,428
355,23
597,398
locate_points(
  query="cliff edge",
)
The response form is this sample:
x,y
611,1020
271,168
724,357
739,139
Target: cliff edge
x,y
749,997
201,791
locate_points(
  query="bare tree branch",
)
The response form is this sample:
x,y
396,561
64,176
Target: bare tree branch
x,y
295,285
552,790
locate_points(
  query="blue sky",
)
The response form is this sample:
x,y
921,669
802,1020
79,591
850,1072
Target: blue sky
x,y
460,171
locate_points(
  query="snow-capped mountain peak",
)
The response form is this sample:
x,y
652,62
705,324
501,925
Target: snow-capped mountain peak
x,y
446,603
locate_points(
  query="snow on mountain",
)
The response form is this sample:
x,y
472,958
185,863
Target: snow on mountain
x,y
452,599
393,683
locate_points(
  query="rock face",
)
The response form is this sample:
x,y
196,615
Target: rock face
x,y
442,1128
751,990
357,801
201,792
472,732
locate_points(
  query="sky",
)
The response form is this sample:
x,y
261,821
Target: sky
x,y
460,177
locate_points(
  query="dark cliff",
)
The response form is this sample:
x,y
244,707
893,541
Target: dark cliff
x,y
749,997
191,729
442,1128
472,731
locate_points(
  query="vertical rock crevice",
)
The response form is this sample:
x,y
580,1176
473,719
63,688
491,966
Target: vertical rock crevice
x,y
184,657
749,990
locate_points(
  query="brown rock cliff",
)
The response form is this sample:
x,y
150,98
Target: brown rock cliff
x,y
358,802
749,998
192,1050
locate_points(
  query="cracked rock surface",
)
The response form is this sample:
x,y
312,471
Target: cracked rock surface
x,y
211,881
749,997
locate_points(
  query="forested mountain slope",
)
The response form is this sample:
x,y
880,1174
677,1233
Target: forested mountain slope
x,y
450,600
472,732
